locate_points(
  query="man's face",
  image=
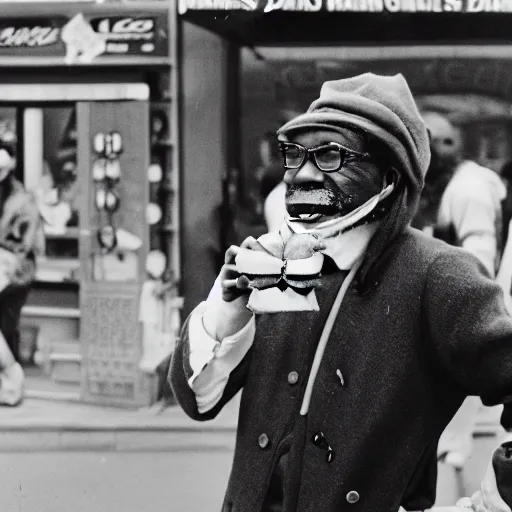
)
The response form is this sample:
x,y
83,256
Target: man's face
x,y
314,196
445,144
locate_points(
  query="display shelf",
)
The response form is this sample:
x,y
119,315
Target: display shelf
x,y
51,312
57,270
71,233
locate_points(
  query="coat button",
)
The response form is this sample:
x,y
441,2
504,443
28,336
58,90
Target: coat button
x,y
263,440
293,378
353,497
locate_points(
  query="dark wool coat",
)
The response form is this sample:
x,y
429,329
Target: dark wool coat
x,y
433,331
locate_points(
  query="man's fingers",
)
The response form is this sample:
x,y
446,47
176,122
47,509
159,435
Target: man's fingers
x,y
240,283
227,284
229,271
243,283
248,243
231,253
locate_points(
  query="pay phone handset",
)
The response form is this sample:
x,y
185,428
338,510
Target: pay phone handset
x,y
106,174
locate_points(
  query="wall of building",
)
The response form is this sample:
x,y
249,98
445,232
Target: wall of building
x,y
204,161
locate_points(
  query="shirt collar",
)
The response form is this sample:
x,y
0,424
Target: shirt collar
x,y
345,248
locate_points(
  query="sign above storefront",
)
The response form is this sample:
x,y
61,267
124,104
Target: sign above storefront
x,y
393,6
86,38
29,33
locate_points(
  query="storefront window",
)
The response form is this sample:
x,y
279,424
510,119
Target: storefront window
x,y
44,140
57,187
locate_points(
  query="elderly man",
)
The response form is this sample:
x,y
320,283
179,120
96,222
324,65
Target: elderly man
x,y
344,401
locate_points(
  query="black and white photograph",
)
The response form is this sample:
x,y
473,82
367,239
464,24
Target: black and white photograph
x,y
256,255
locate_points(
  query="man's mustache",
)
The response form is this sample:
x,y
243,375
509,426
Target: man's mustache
x,y
314,197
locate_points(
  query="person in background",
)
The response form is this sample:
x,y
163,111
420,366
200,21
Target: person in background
x,y
273,188
504,275
439,173
470,209
461,204
19,230
12,377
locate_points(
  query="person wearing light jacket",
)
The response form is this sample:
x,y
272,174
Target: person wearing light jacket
x,y
469,215
343,403
470,209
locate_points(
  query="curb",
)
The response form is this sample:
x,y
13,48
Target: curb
x,y
112,440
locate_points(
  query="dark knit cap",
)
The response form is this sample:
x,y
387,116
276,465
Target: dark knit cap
x,y
380,105
384,107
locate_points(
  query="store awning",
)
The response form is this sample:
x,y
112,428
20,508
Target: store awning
x,y
319,22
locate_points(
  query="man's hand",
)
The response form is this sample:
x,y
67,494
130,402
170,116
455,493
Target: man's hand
x,y
225,315
233,284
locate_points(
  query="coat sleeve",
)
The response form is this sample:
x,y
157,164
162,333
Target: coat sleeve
x,y
180,373
472,333
469,326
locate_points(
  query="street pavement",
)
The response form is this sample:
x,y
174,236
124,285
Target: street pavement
x,y
189,478
80,458
192,481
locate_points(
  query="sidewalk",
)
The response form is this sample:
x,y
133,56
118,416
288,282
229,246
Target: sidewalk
x,y
41,425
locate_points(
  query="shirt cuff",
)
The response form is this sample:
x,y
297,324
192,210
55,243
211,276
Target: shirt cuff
x,y
204,348
202,345
209,380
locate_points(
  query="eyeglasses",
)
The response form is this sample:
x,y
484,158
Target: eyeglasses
x,y
329,157
319,440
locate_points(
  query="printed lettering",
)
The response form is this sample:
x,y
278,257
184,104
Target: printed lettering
x,y
392,5
453,5
313,5
134,26
25,36
273,5
375,5
474,5
131,25
408,6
